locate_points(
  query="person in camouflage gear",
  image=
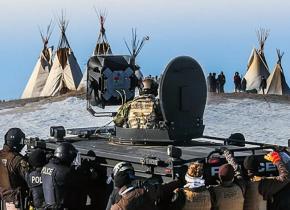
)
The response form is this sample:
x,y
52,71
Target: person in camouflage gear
x,y
143,111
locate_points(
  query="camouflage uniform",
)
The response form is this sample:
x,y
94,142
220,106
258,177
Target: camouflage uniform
x,y
143,112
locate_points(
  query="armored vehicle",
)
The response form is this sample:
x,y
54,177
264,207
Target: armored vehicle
x,y
161,151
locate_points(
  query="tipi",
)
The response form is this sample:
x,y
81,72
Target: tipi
x,y
41,70
276,83
102,47
65,73
257,65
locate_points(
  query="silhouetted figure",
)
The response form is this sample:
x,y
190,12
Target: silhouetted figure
x,y
237,82
263,84
221,80
244,84
214,83
209,82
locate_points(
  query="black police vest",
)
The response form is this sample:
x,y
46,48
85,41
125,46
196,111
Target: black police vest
x,y
34,183
54,177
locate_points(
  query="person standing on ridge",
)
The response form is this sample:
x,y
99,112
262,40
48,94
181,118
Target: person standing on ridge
x,y
209,82
237,82
214,83
221,82
244,84
263,84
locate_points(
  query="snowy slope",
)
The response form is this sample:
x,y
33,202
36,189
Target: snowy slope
x,y
257,120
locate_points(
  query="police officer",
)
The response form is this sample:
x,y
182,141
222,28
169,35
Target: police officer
x,y
36,160
55,176
197,196
13,168
143,111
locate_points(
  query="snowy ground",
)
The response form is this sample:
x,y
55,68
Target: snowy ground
x,y
257,120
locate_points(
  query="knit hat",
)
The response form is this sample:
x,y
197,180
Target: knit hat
x,y
37,158
122,178
226,172
251,163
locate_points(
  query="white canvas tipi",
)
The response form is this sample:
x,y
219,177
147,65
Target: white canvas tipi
x,y
276,83
257,65
102,48
41,70
65,74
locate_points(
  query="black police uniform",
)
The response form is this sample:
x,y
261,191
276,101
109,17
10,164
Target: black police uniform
x,y
34,182
54,176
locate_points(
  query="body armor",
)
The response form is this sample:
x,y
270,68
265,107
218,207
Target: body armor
x,y
34,182
54,177
229,197
142,112
253,199
198,199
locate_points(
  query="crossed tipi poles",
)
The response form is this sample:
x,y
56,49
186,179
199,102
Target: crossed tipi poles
x,y
258,68
42,67
102,46
276,82
257,65
54,74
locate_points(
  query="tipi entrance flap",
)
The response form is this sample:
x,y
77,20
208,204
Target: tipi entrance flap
x,y
62,55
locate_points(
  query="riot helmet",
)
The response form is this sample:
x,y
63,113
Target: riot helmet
x,y
66,152
37,158
14,138
149,86
123,166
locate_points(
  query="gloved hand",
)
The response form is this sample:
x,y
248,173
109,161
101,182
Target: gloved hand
x,y
274,157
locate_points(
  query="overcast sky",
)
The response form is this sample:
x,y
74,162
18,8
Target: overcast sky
x,y
219,34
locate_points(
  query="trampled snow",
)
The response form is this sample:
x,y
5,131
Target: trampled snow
x,y
257,120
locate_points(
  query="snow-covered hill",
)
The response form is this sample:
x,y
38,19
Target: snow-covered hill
x,y
257,120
